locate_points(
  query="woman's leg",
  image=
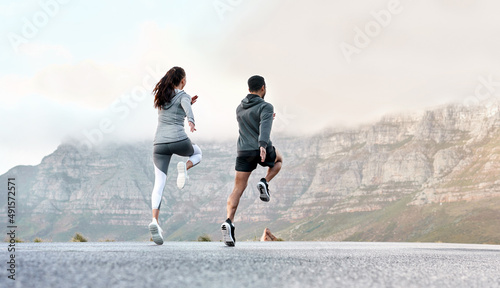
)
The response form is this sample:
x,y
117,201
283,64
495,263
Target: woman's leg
x,y
195,158
185,148
161,160
156,195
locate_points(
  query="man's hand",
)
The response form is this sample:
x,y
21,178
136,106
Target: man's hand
x,y
262,154
193,99
191,126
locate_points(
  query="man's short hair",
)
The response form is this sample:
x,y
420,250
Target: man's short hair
x,y
255,83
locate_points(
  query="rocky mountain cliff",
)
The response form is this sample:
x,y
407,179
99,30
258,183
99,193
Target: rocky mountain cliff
x,y
433,176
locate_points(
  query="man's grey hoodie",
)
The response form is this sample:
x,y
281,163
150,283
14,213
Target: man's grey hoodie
x,y
255,120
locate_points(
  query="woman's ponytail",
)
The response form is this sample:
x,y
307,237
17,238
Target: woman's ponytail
x,y
164,90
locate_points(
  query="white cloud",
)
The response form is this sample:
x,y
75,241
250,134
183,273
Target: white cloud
x,y
415,62
37,51
11,9
87,83
35,126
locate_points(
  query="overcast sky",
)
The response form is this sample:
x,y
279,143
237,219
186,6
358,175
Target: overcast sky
x,y
84,69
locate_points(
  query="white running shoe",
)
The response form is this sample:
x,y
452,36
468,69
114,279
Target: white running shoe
x,y
182,176
227,229
156,232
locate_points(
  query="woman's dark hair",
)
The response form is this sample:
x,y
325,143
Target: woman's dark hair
x,y
164,90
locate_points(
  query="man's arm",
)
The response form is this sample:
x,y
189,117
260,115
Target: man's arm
x,y
266,123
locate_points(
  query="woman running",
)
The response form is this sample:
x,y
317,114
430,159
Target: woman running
x,y
174,105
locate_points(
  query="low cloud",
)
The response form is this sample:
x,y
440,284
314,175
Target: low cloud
x,y
431,53
88,83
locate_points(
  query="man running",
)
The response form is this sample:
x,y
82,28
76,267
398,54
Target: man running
x,y
255,119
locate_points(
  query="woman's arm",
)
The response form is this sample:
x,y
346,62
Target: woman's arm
x,y
186,105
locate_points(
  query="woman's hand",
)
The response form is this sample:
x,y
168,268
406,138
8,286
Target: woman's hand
x,y
193,99
191,126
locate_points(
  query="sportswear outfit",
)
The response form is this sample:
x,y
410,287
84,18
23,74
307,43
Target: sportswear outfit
x,y
255,120
171,138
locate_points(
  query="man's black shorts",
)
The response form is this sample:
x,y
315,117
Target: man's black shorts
x,y
247,160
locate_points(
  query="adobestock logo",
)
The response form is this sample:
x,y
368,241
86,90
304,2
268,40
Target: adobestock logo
x,y
485,91
120,109
372,29
31,26
282,119
224,6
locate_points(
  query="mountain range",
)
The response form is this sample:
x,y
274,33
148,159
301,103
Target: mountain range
x,y
432,177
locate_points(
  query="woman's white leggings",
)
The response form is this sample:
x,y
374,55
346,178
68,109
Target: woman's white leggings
x,y
162,153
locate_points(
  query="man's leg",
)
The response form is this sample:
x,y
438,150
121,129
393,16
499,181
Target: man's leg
x,y
271,172
262,186
240,184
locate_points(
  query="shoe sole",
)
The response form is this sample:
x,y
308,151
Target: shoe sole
x,y
264,195
155,234
181,175
226,234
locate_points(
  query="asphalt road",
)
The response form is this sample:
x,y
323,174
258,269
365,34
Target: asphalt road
x,y
252,264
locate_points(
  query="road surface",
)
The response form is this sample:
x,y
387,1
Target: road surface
x,y
252,264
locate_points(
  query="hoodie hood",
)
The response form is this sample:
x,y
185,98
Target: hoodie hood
x,y
174,99
250,101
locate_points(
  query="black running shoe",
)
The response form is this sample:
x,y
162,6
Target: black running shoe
x,y
227,229
264,190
